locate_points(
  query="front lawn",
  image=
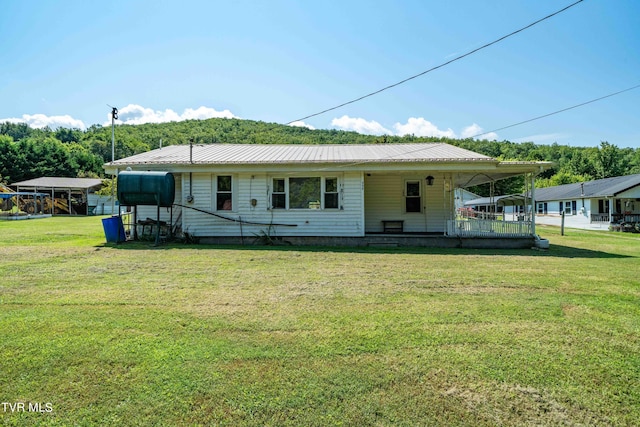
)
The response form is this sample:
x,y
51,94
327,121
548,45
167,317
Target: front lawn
x,y
131,334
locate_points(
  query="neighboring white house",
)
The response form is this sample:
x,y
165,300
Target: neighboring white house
x,y
592,204
329,190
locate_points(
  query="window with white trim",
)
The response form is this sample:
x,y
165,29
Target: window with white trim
x,y
413,199
224,193
569,207
542,208
331,196
278,194
305,193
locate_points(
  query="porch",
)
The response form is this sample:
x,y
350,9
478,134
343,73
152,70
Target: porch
x,y
473,227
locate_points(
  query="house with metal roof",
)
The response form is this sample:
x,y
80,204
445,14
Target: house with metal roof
x,y
329,193
591,204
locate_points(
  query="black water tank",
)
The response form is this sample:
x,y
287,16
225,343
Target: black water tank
x,y
146,188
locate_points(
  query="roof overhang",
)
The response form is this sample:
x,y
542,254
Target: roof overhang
x,y
464,174
465,167
58,183
502,170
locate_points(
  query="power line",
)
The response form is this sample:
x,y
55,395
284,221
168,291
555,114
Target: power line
x,y
502,128
559,111
438,66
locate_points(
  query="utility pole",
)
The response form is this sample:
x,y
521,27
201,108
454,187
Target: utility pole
x,y
114,117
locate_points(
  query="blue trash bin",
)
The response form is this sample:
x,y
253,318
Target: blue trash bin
x,y
113,229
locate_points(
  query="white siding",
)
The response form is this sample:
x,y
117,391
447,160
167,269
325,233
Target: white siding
x,y
383,195
346,221
632,193
200,185
385,200
553,207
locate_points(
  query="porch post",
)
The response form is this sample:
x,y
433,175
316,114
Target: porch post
x,y
363,204
611,204
533,203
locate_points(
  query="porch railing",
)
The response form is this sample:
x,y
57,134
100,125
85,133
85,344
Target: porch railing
x,y
625,217
600,217
488,228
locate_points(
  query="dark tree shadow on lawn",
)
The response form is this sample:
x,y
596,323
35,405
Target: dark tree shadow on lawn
x,y
554,251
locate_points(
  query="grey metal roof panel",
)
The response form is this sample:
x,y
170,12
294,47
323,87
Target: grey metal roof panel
x,y
599,188
480,201
506,200
60,182
295,153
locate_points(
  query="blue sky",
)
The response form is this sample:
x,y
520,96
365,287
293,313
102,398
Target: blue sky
x,y
62,62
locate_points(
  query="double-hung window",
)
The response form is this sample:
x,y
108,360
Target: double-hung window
x,y
278,194
413,201
331,193
570,207
224,193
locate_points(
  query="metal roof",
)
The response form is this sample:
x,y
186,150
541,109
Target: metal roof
x,y
57,182
607,187
296,153
508,200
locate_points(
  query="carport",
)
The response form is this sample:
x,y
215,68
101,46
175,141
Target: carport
x,y
70,196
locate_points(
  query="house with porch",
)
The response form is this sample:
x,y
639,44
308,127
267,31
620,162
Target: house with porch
x,y
355,194
592,204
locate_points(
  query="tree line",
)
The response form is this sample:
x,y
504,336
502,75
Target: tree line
x,y
27,153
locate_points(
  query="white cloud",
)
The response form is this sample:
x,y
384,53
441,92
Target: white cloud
x,y
418,126
475,129
360,125
41,121
301,124
134,114
202,113
131,114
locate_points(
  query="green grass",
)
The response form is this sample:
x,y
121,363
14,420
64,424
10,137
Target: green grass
x,y
133,334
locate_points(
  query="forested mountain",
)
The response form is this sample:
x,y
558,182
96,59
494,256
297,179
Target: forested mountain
x,y
27,153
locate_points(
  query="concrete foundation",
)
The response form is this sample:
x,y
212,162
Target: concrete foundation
x,y
386,240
